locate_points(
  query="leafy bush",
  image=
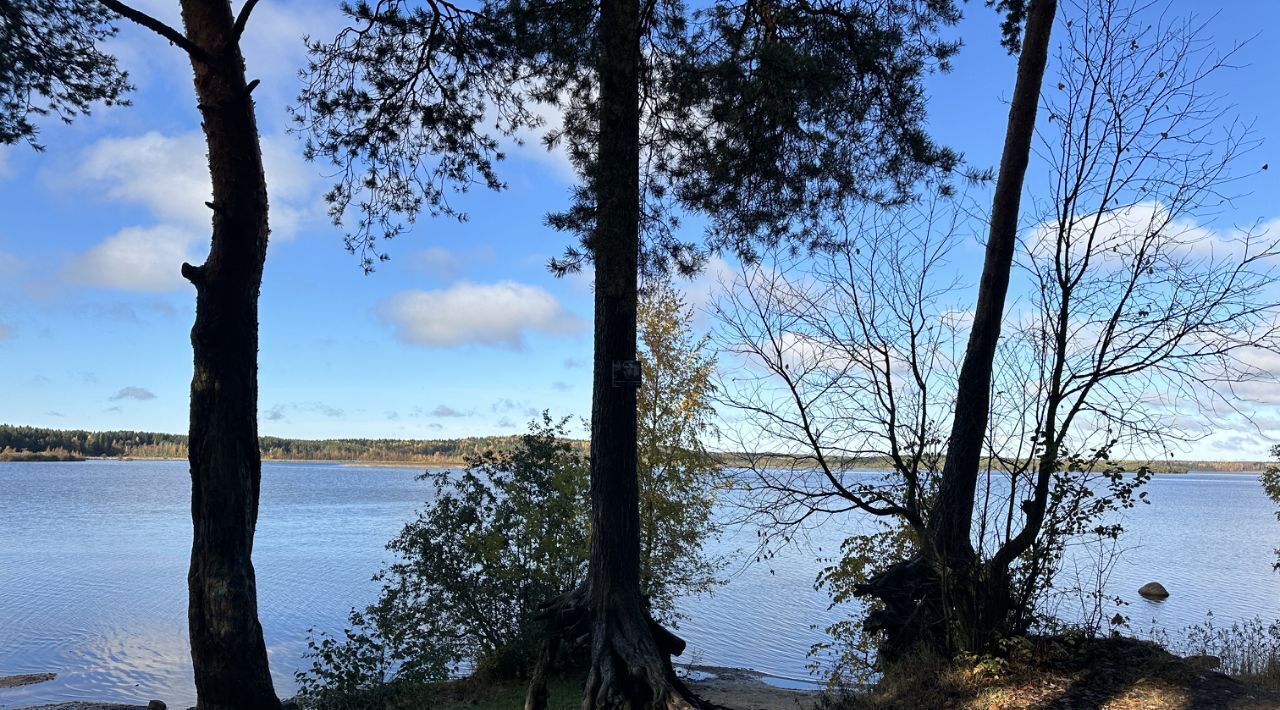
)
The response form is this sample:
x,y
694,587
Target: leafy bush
x,y
496,541
512,532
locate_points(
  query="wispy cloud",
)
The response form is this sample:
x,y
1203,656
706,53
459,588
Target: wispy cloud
x,y
10,265
135,259
169,175
140,394
506,405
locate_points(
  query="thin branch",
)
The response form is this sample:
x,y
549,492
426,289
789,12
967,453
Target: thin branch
x,y
243,18
160,28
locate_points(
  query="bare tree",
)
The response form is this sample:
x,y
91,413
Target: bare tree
x,y
1130,315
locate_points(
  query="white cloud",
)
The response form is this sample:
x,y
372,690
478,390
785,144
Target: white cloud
x,y
701,291
169,175
135,259
499,314
531,146
1118,234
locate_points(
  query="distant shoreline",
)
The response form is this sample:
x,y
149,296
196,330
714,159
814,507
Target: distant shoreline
x,y
1176,468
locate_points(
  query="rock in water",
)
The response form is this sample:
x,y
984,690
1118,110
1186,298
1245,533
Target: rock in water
x,y
15,681
1153,590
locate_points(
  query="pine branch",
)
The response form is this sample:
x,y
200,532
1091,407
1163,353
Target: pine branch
x,y
160,28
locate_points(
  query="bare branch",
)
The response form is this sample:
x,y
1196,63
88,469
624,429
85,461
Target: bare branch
x,y
242,19
174,36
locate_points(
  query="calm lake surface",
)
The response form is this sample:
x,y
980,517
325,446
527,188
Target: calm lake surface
x,y
93,563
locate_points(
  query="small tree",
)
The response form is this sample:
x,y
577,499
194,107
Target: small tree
x,y
1271,484
510,534
678,476
493,544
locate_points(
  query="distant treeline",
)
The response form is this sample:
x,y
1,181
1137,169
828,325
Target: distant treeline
x,y
18,442
883,463
33,443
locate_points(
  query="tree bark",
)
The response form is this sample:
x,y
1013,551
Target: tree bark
x,y
952,516
944,597
628,668
227,648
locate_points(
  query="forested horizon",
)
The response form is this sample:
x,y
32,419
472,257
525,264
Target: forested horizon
x,y
141,444
18,439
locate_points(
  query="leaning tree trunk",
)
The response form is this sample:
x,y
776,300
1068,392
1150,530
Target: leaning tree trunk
x,y
937,599
227,649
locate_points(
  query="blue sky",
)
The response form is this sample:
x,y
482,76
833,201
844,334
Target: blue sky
x,y
94,318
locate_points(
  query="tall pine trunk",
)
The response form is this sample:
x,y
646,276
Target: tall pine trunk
x,y
628,668
227,647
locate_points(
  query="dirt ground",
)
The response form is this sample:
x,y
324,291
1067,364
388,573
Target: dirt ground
x,y
741,689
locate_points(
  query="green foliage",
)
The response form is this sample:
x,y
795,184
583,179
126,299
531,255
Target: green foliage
x,y
848,658
511,532
1271,484
678,476
50,64
495,542
1085,493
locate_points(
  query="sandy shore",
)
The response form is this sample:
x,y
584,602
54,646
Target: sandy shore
x,y
735,688
743,689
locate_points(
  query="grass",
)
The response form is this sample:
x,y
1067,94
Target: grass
x,y
468,694
1247,650
1059,672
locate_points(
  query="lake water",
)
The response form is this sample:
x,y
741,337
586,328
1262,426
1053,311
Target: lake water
x,y
93,562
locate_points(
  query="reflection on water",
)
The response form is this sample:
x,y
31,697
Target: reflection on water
x,y
93,561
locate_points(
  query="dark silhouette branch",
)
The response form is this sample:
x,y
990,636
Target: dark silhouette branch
x,y
242,19
144,20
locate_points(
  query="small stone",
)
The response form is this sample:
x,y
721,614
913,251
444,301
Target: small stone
x,y
156,705
1153,590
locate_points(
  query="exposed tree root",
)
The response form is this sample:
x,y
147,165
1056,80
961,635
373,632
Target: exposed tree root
x,y
945,608
630,657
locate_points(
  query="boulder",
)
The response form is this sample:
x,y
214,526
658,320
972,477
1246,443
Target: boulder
x,y
156,705
1153,590
1203,663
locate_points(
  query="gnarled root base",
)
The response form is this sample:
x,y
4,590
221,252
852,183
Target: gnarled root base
x,y
945,608
630,658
